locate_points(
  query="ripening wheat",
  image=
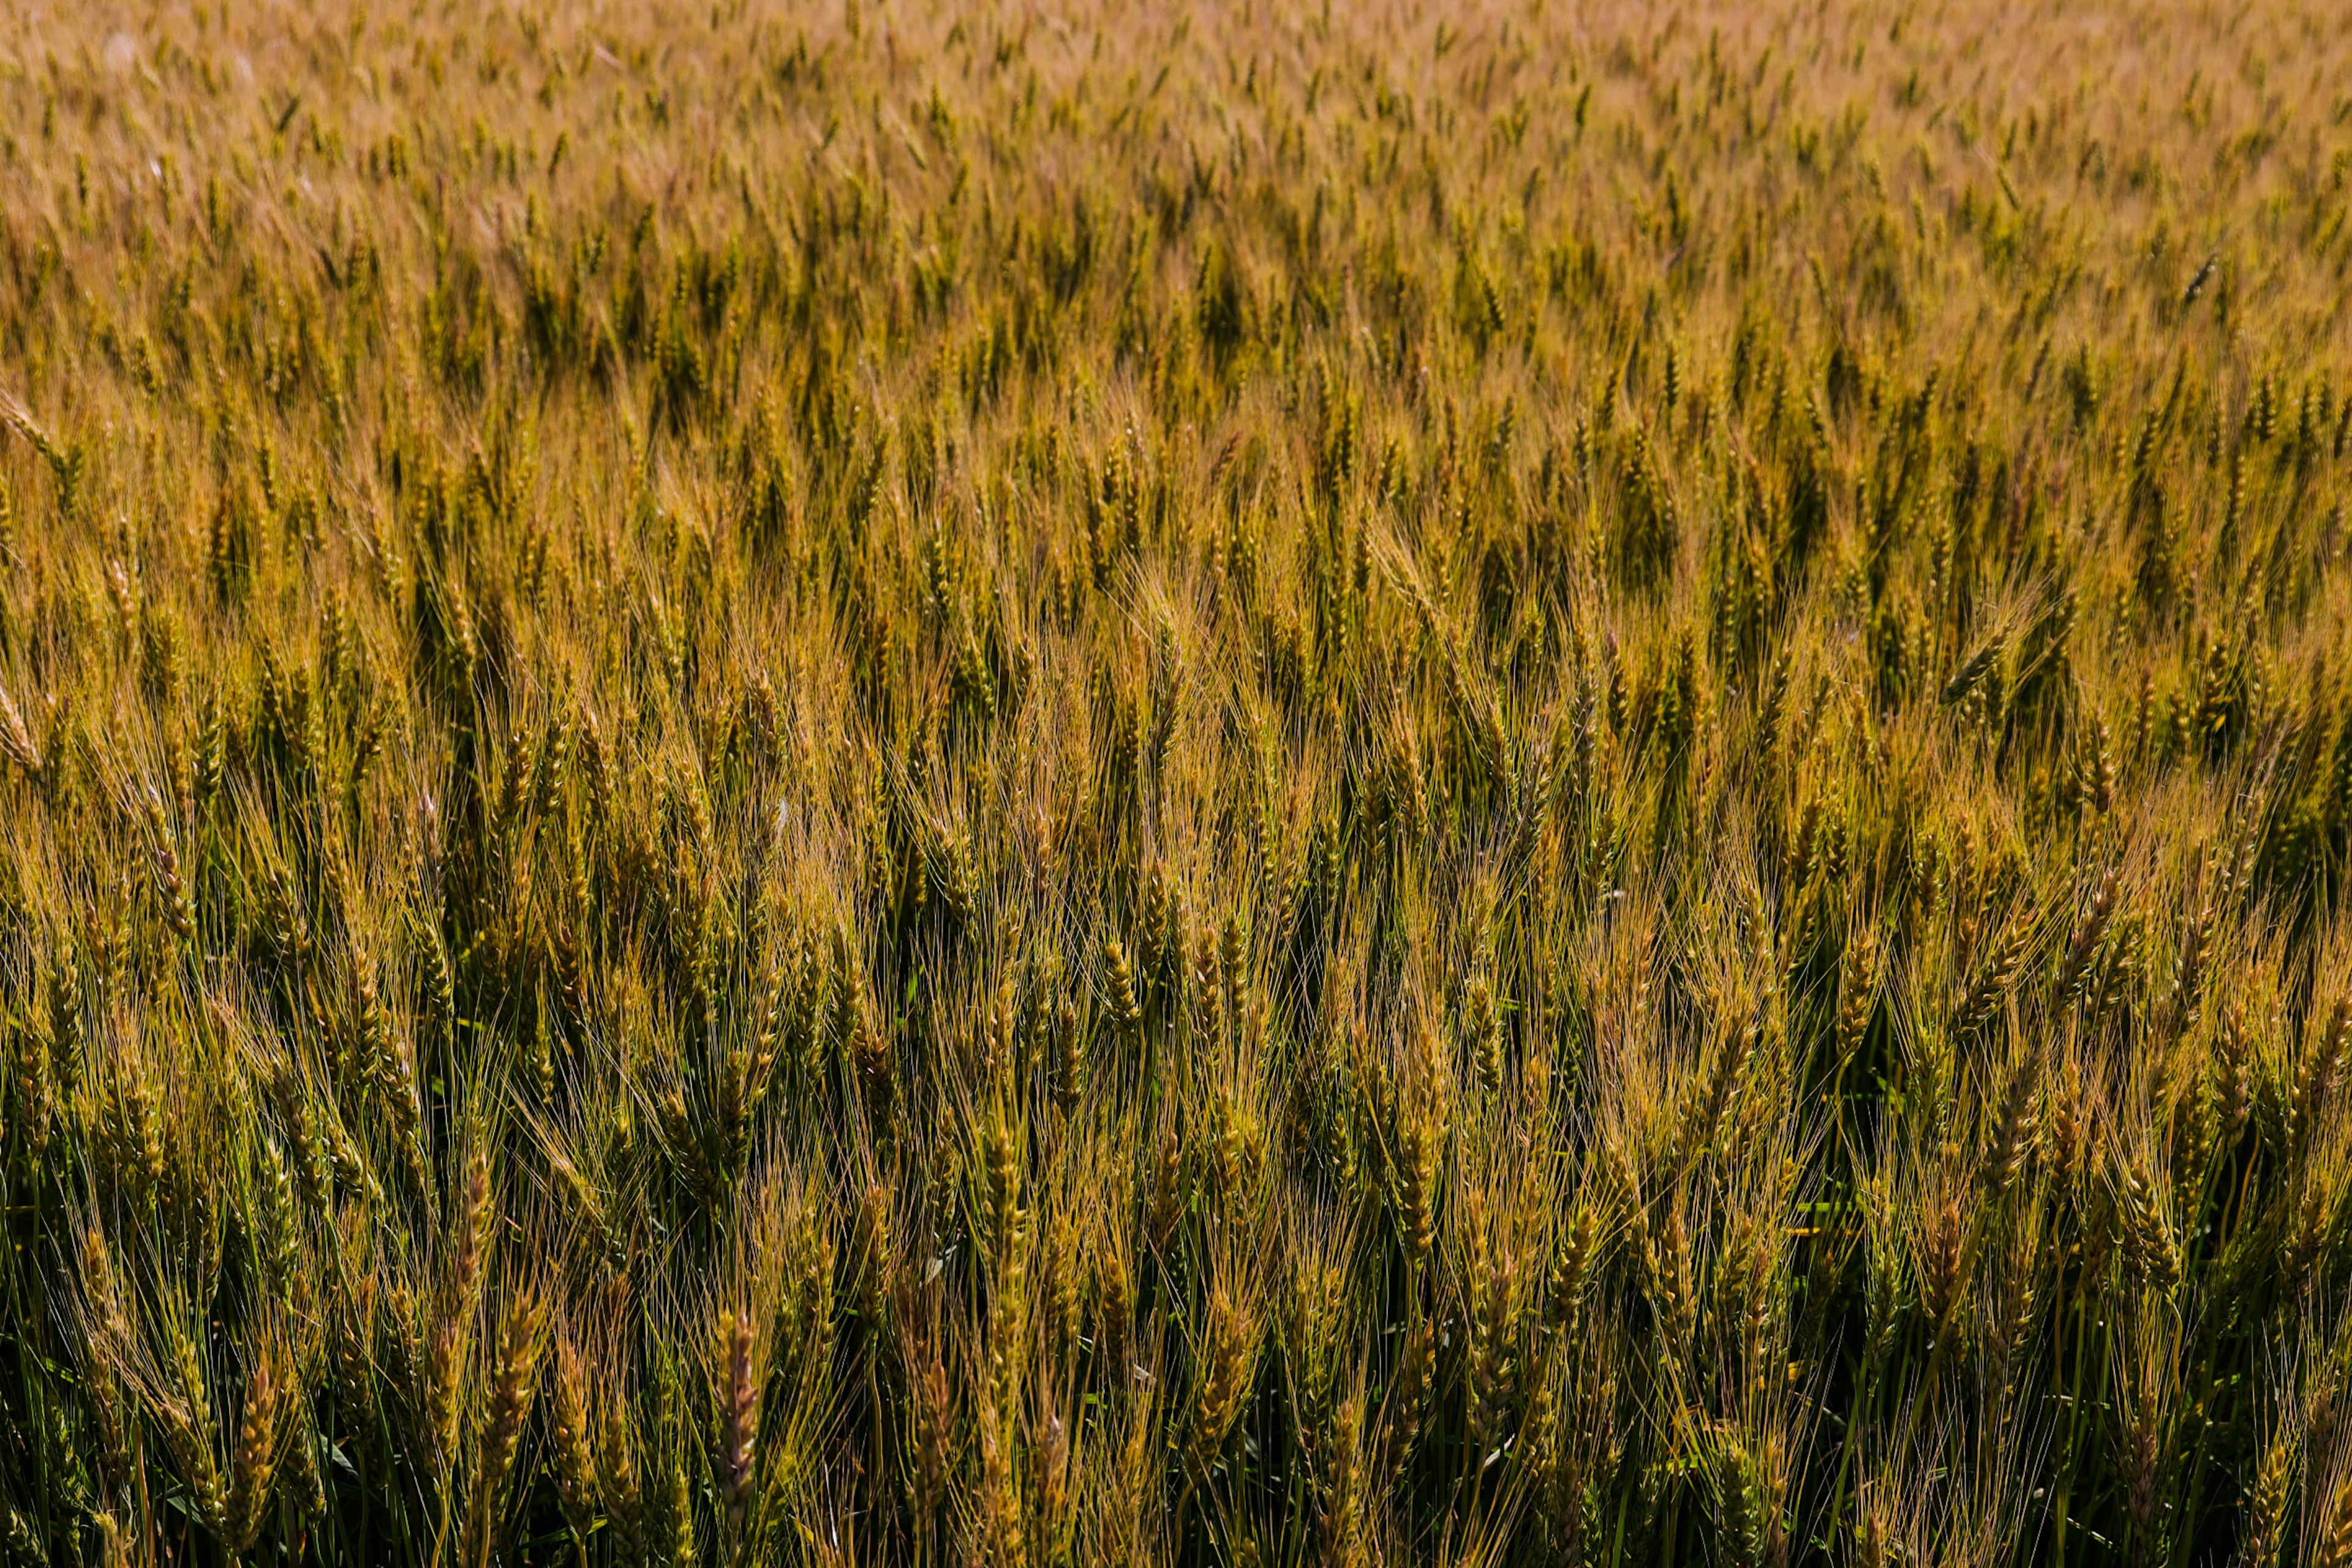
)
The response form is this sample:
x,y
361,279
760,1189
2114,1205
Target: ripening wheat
x,y
1250,785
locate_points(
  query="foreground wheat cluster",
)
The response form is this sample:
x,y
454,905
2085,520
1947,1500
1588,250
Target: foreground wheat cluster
x,y
1242,786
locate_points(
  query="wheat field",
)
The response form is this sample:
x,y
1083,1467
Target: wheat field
x,y
1255,784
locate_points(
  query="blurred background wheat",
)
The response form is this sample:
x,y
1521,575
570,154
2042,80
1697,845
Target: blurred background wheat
x,y
1234,784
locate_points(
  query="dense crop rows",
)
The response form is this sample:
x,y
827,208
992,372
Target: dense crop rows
x,y
1207,786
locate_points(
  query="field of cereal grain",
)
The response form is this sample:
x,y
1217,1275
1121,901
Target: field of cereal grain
x,y
1128,786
